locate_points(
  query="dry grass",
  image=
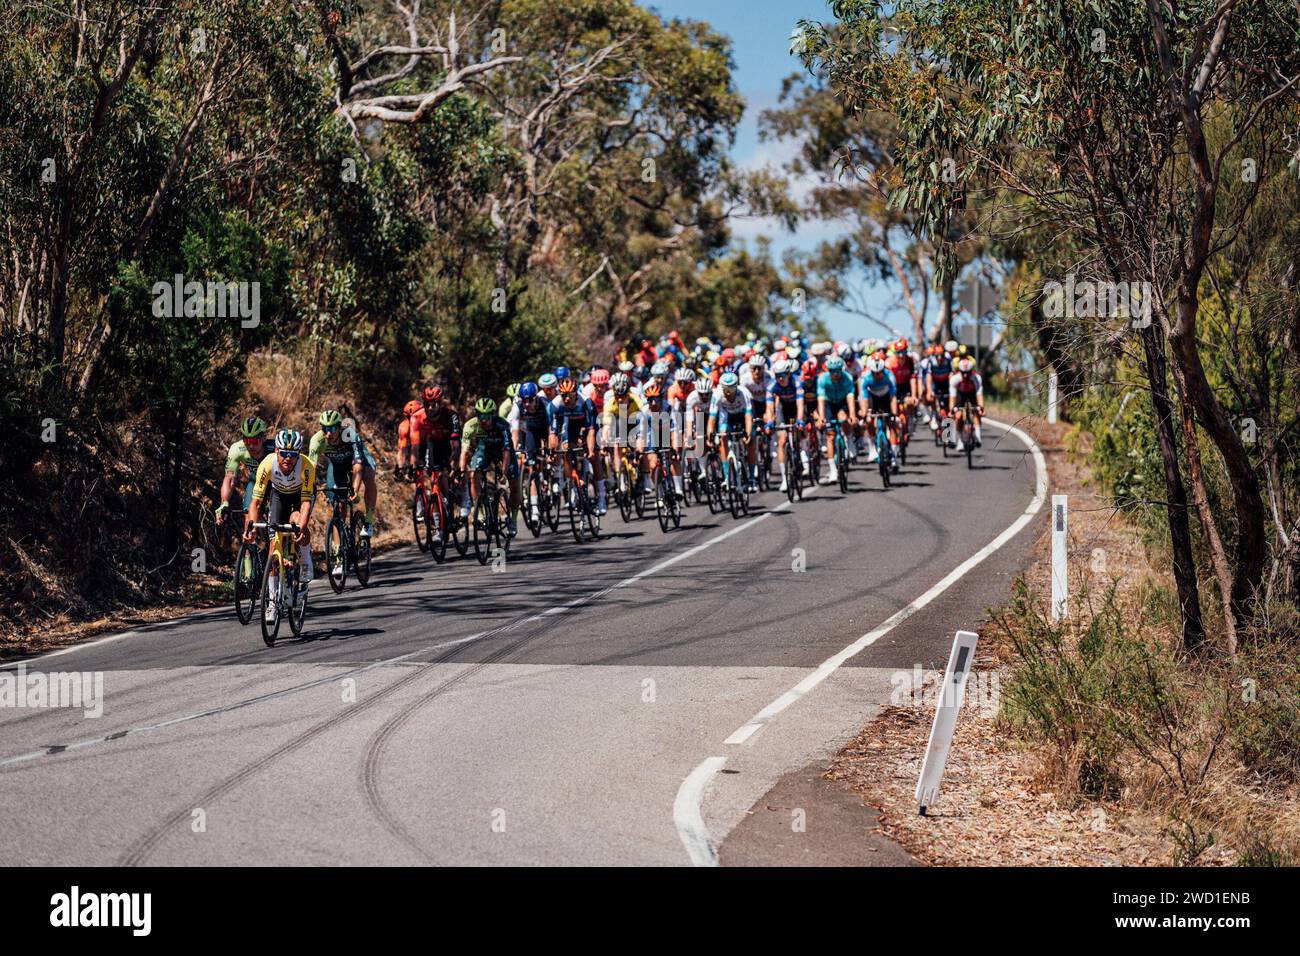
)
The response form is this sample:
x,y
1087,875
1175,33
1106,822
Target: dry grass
x,y
1010,796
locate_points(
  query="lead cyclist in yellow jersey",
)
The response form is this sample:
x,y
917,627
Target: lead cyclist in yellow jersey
x,y
291,479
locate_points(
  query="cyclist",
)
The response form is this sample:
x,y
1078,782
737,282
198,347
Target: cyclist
x,y
485,441
940,376
784,405
903,366
619,419
730,413
880,397
291,479
967,397
440,433
248,452
835,398
574,424
348,462
659,430
549,386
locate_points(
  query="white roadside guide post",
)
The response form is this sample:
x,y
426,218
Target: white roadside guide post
x,y
951,695
1051,397
1060,588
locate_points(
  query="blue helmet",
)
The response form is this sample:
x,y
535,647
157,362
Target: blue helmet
x,y
562,372
528,390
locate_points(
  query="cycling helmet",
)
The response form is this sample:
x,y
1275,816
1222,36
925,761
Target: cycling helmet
x,y
704,385
600,377
620,384
252,427
810,368
900,345
684,375
485,406
786,367
757,361
876,366
512,392
562,372
330,419
431,393
626,367
950,346
729,383
659,370
568,386
835,364
412,408
966,364
653,392
286,439
547,381
528,390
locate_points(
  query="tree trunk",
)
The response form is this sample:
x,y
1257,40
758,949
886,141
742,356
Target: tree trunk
x,y
1180,534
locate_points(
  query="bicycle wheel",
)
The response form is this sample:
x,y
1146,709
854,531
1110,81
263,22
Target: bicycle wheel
x,y
437,527
297,603
968,439
501,512
842,462
419,509
248,567
336,553
623,494
884,453
674,506
361,551
661,502
269,605
481,519
533,500
573,502
639,492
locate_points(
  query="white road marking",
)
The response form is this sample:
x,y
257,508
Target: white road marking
x,y
690,818
687,816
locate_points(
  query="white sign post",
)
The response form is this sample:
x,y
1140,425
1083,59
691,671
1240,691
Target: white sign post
x,y
1051,397
951,695
1060,584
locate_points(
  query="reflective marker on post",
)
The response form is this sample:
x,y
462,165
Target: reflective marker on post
x,y
1051,397
1060,584
951,695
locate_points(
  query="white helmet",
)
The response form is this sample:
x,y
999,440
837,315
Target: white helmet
x,y
950,346
619,383
659,370
704,384
685,375
756,361
845,351
875,366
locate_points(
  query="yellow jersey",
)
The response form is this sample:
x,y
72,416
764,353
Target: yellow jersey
x,y
301,479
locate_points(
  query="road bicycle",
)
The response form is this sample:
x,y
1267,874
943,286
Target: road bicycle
x,y
967,435
290,598
346,548
491,509
250,563
628,493
580,500
736,478
788,445
884,450
541,497
667,508
841,447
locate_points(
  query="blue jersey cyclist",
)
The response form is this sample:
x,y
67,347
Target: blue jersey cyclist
x,y
835,400
880,397
573,427
785,406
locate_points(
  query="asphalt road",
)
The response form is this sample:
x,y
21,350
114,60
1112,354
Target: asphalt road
x,y
545,715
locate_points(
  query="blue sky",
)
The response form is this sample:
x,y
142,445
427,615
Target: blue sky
x,y
760,34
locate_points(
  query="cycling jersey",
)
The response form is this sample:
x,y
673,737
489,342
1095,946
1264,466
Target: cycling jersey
x,y
902,368
756,384
571,421
339,458
940,371
883,384
834,392
596,396
786,394
967,384
301,480
239,454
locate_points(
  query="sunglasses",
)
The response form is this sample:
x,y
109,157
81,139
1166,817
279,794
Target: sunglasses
x,y
288,455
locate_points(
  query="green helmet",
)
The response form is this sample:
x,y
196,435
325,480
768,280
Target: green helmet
x,y
330,419
485,406
513,391
252,427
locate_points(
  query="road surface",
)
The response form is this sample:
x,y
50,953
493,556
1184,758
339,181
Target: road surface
x,y
575,709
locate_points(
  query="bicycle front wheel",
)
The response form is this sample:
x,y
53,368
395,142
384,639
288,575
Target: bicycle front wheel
x,y
419,510
269,605
360,554
336,554
248,567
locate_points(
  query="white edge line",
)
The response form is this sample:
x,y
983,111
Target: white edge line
x,y
690,819
687,814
